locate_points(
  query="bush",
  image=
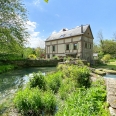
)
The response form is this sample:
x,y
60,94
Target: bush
x,y
79,62
86,102
38,80
79,74
32,57
106,58
34,102
54,81
5,68
66,88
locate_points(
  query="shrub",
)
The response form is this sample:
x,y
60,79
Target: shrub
x,y
28,100
66,88
85,102
54,81
49,102
5,68
106,58
79,74
56,57
32,57
38,80
34,101
79,62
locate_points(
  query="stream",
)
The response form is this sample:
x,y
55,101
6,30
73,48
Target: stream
x,y
13,80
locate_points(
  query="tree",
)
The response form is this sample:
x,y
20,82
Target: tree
x,y
27,51
114,36
100,36
110,47
12,25
96,48
106,58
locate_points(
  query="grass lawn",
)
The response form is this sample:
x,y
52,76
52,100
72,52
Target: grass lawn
x,y
110,65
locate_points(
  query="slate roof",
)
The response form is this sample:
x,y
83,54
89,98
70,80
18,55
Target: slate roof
x,y
68,33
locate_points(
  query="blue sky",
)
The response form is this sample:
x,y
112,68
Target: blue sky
x,y
46,18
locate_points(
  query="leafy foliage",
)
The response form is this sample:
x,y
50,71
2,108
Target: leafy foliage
x,y
76,95
78,74
34,101
106,58
12,30
54,81
46,1
32,57
85,102
5,68
38,80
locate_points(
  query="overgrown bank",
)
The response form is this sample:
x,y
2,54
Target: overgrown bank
x,y
68,91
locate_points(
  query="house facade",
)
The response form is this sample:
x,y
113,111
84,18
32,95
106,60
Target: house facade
x,y
76,42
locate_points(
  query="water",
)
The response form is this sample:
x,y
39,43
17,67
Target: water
x,y
110,76
11,81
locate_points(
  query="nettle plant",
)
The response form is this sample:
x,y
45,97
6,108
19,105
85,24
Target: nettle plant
x,y
38,80
54,81
34,101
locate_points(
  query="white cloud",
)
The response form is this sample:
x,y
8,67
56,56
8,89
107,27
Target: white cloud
x,y
36,2
34,39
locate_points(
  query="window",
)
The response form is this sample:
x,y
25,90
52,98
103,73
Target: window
x,y
90,46
53,48
48,56
85,45
62,36
53,55
75,46
67,46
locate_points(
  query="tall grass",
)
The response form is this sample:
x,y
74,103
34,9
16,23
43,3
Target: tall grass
x,y
54,81
85,102
5,68
38,80
35,102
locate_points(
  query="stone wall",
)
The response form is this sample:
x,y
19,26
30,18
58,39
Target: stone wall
x,y
111,95
33,63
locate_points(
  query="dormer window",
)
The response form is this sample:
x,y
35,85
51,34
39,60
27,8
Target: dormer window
x,y
62,36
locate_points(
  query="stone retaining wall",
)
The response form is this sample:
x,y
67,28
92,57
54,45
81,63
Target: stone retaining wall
x,y
33,63
111,95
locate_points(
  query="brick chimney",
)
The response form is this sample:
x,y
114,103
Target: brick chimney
x,y
64,29
81,28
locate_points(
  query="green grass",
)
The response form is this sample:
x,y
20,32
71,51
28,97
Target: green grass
x,y
110,65
5,68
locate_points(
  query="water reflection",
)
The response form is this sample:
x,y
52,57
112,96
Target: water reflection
x,y
110,76
11,81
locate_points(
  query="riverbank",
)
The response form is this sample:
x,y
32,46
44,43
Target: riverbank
x,y
5,68
72,90
13,80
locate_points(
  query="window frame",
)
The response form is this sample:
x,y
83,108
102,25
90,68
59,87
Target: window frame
x,y
75,47
53,48
48,55
85,44
67,46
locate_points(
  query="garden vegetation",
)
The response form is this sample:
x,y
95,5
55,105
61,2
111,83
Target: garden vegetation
x,y
66,92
